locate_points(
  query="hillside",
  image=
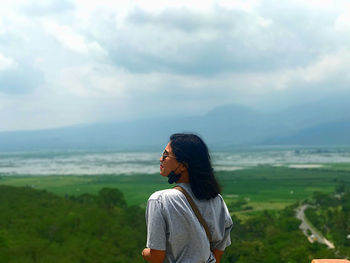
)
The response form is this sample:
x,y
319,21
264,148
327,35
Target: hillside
x,y
37,226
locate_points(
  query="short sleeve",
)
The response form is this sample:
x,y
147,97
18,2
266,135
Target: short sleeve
x,y
226,241
156,225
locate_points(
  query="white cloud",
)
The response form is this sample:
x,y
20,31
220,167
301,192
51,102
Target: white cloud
x,y
159,5
72,40
6,63
91,81
320,4
342,22
328,66
330,69
247,6
136,57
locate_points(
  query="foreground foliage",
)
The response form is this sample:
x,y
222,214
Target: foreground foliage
x,y
37,226
272,237
331,215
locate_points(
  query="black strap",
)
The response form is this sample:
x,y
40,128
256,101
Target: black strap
x,y
196,211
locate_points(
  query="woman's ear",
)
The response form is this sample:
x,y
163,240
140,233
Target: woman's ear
x,y
184,166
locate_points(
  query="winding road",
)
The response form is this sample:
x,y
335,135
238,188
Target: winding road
x,y
305,227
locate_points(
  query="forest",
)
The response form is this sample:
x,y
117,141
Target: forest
x,y
38,226
101,218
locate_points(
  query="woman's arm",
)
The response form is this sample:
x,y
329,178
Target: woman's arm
x,y
153,255
218,254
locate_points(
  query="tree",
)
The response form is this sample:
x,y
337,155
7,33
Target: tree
x,y
110,197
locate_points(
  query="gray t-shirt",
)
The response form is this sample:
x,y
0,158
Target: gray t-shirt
x,y
172,226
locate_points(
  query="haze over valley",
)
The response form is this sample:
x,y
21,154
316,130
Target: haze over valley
x,y
322,123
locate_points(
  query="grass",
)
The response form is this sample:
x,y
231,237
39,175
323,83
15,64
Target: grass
x,y
136,188
280,184
264,187
338,166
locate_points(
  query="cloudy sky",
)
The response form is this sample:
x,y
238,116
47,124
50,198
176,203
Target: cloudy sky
x,y
64,62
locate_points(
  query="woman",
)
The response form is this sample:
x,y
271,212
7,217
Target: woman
x,y
174,233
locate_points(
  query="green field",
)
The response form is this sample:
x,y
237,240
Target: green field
x,y
262,187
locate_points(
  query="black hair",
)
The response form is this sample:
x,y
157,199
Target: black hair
x,y
191,150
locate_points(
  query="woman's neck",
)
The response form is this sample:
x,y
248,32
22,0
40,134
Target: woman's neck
x,y
185,179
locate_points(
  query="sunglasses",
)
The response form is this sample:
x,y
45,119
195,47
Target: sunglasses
x,y
165,155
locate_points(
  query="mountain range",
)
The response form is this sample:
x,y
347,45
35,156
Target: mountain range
x,y
324,122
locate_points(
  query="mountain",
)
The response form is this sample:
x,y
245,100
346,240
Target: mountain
x,y
331,133
231,125
304,116
227,124
225,127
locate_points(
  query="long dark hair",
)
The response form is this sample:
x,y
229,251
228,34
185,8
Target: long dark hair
x,y
191,150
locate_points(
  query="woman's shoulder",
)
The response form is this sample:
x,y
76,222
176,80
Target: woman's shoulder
x,y
164,195
219,198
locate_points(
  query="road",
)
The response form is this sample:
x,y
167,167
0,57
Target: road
x,y
305,226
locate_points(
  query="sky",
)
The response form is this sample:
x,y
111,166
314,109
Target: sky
x,y
67,62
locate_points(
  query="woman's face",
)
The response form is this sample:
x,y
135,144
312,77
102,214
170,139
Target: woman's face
x,y
168,161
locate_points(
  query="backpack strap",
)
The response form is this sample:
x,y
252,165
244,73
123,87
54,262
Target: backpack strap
x,y
196,211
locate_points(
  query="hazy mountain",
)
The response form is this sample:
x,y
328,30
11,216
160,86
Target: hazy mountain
x,y
308,115
234,125
332,133
223,128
